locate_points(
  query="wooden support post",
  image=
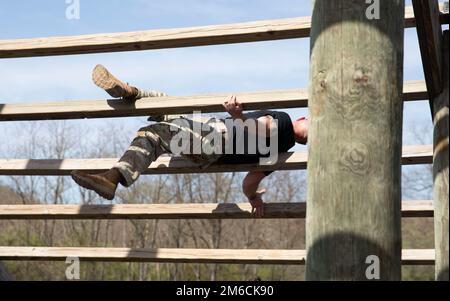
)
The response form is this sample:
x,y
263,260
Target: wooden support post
x,y
440,169
429,34
355,141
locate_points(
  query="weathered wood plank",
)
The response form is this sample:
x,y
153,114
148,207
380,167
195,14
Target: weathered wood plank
x,y
418,256
230,256
165,164
160,105
417,208
429,33
176,211
295,98
157,211
165,38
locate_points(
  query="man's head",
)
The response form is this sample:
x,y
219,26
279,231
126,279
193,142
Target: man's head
x,y
301,130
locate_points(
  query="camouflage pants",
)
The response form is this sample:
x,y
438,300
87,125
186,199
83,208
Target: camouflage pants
x,y
153,140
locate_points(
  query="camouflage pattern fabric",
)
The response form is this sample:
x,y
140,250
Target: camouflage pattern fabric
x,y
156,139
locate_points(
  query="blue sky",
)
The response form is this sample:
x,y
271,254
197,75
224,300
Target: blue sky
x,y
184,71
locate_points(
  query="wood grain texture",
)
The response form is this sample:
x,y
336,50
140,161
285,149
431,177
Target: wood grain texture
x,y
355,145
166,38
418,256
165,164
440,169
178,255
230,256
176,211
160,105
296,98
429,33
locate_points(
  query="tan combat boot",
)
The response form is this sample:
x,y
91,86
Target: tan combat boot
x,y
113,86
104,184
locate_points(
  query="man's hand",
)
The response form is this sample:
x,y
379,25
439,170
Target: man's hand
x,y
250,188
258,204
234,108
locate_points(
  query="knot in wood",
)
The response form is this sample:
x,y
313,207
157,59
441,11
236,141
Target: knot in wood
x,y
355,158
360,77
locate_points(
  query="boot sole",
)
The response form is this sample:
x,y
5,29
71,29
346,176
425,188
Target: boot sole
x,y
105,80
90,184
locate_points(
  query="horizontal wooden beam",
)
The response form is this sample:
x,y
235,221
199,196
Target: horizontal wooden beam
x,y
295,98
166,38
418,208
161,105
176,211
418,256
230,256
165,164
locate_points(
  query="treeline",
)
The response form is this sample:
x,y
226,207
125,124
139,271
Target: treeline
x,y
60,140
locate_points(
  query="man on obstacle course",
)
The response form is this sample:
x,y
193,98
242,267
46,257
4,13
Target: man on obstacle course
x,y
157,138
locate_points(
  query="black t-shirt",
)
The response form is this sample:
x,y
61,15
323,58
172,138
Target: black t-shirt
x,y
286,138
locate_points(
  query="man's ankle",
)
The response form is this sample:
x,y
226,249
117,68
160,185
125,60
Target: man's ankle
x,y
114,176
132,93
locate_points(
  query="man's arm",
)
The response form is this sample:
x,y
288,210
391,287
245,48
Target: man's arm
x,y
250,188
235,109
